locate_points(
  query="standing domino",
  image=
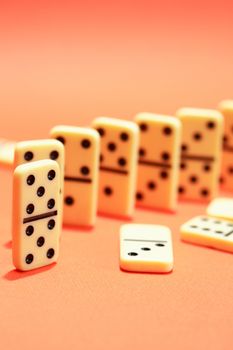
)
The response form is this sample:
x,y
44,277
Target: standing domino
x,y
81,173
146,248
209,232
36,214
226,107
200,153
118,166
158,163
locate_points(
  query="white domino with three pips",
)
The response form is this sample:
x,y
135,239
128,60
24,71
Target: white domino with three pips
x,y
146,248
81,173
118,166
158,164
200,153
37,216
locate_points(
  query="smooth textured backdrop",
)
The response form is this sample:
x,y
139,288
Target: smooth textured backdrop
x,y
68,62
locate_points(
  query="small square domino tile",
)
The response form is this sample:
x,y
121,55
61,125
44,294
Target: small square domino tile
x,y
209,232
146,248
221,208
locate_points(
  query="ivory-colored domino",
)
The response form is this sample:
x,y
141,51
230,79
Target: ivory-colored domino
x,y
36,214
221,208
200,153
146,248
30,151
209,232
81,173
7,149
226,108
118,166
158,165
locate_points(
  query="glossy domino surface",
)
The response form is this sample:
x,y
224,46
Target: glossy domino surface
x,y
36,214
118,166
158,164
146,248
209,232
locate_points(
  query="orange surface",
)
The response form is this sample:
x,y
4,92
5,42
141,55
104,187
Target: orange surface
x,y
67,62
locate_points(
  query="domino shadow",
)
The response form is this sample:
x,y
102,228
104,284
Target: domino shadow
x,y
15,275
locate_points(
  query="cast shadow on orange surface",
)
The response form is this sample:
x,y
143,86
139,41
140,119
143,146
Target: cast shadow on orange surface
x,y
14,275
8,245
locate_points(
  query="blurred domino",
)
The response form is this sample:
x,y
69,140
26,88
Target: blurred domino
x,y
81,173
36,214
200,153
226,108
158,163
209,232
118,166
7,149
221,208
146,248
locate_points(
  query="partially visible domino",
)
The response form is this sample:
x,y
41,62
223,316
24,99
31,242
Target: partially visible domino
x,y
209,232
36,214
146,248
221,208
7,152
226,108
158,164
81,173
200,153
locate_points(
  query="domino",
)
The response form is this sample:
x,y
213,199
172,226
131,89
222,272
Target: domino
x,y
226,179
209,232
81,173
146,248
36,214
221,208
118,166
158,164
200,153
7,152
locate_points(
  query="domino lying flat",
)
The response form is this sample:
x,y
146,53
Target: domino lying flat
x,y
81,173
7,149
146,248
209,232
118,166
158,163
221,208
200,153
36,214
226,108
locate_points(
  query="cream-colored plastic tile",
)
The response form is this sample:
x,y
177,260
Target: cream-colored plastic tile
x,y
221,208
118,166
158,164
146,248
81,173
200,153
208,231
36,214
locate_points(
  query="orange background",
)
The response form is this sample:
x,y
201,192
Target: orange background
x,y
68,62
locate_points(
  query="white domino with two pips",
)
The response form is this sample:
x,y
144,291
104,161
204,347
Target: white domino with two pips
x,y
37,216
146,248
158,164
118,166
